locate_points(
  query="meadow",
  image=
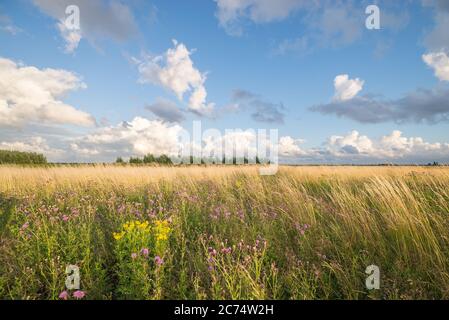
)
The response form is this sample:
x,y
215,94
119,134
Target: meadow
x,y
224,232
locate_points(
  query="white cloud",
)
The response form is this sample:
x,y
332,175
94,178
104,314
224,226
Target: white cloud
x,y
32,95
353,143
175,71
142,136
439,62
393,147
137,137
345,88
289,147
72,37
98,19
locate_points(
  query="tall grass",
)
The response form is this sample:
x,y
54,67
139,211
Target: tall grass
x,y
224,232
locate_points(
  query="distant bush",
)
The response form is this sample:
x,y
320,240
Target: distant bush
x,y
151,159
16,157
165,160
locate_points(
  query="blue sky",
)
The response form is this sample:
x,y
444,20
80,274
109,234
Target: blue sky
x,y
263,64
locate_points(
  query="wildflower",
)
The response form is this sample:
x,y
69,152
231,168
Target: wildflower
x,y
78,294
158,260
64,295
65,218
226,250
118,236
145,252
212,252
25,226
161,230
133,255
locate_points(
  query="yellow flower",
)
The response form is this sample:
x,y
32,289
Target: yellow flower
x,y
118,236
162,230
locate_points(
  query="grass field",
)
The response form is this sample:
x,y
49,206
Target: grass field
x,y
224,232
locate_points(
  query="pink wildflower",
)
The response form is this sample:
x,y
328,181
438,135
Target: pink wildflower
x,y
63,295
78,294
159,261
145,252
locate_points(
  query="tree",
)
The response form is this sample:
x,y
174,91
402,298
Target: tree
x,y
163,159
135,160
149,158
16,157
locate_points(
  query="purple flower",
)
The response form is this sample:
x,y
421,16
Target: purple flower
x,y
158,260
63,295
212,252
78,294
65,218
226,250
133,255
145,252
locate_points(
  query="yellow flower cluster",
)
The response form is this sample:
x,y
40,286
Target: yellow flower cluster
x,y
130,226
161,230
118,235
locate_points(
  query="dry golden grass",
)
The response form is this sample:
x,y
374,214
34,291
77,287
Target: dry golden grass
x,y
20,177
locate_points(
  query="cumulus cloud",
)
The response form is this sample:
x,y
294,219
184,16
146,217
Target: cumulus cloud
x,y
390,148
422,105
166,110
32,95
175,71
345,88
290,147
352,143
249,143
261,110
439,62
141,136
137,137
98,19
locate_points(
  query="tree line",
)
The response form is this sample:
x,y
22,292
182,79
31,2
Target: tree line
x,y
17,157
165,160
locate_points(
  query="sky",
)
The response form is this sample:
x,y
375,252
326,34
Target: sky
x,y
135,77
